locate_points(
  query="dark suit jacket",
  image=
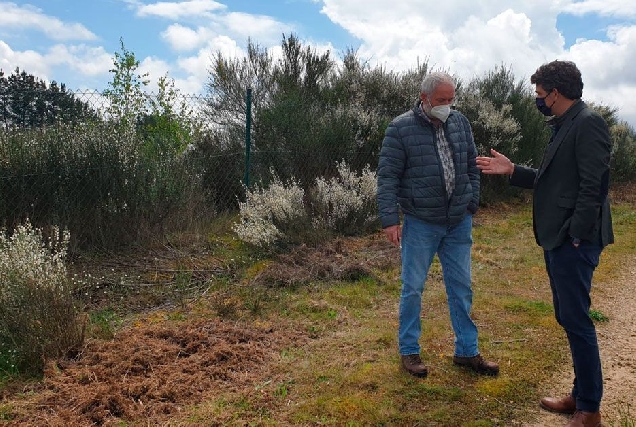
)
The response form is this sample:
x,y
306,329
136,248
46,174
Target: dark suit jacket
x,y
571,185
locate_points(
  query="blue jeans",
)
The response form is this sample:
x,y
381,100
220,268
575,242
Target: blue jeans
x,y
570,271
420,242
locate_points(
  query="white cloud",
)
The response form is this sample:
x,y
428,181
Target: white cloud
x,y
26,60
155,68
616,8
264,29
196,67
182,38
226,46
28,17
84,60
192,71
178,10
87,60
470,38
465,37
607,67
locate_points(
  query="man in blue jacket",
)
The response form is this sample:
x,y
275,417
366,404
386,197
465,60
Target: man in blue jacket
x,y
572,222
427,170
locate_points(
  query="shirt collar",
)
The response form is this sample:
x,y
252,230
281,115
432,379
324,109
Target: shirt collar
x,y
558,121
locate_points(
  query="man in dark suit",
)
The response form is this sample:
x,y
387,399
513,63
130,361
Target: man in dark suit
x,y
571,220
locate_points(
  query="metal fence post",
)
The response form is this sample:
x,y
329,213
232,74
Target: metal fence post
x,y
248,125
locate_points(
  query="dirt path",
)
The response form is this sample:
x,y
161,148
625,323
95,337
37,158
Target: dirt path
x,y
617,341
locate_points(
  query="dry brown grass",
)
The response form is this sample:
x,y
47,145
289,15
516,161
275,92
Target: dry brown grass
x,y
152,372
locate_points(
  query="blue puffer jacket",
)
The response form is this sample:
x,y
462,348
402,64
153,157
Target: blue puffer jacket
x,y
410,171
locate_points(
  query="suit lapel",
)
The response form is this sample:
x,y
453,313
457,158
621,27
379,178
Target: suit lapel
x,y
552,148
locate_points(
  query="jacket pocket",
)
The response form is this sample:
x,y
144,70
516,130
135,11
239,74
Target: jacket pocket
x,y
566,202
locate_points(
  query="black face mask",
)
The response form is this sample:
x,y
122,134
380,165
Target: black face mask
x,y
543,107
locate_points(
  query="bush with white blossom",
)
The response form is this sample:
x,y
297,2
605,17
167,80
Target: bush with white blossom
x,y
26,257
345,204
283,213
39,319
269,214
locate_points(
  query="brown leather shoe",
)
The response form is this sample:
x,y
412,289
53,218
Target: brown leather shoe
x,y
565,405
585,419
477,364
412,363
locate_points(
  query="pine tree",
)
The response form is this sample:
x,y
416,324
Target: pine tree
x,y
28,101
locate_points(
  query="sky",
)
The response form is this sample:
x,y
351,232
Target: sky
x,y
74,41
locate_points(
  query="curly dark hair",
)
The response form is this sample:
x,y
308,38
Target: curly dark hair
x,y
562,75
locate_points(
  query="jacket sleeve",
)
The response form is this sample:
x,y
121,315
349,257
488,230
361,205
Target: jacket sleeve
x,y
523,177
390,169
592,151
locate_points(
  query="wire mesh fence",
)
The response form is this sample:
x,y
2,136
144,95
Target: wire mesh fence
x,y
113,177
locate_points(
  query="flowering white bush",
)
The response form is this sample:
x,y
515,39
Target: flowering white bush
x,y
267,210
493,126
38,315
343,204
347,202
26,257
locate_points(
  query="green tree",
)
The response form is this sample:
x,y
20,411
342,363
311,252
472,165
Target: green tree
x,y
305,107
228,82
610,114
309,113
222,149
125,92
498,90
27,101
388,93
170,125
297,125
370,98
623,160
165,122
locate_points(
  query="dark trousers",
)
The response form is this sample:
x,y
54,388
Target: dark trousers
x,y
570,270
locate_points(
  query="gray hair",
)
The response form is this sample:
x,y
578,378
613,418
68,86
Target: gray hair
x,y
432,80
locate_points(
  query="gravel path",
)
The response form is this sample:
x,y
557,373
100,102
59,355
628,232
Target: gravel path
x,y
617,341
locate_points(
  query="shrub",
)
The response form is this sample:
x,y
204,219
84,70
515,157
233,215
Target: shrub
x,y
220,159
345,204
284,214
623,161
39,318
270,214
105,186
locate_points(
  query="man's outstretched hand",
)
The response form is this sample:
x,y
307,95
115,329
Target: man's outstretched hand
x,y
498,164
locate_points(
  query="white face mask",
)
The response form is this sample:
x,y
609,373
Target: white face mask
x,y
440,112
